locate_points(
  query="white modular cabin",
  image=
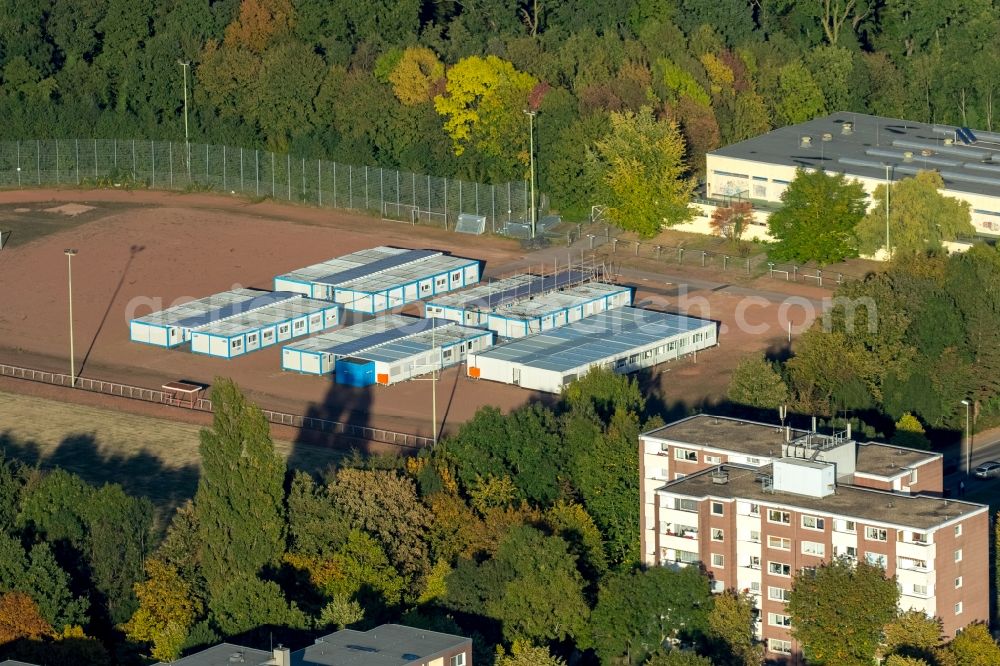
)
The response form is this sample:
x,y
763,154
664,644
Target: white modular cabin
x,y
623,340
249,331
557,308
472,307
318,355
382,278
173,326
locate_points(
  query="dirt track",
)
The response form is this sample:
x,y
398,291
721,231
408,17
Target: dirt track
x,y
140,251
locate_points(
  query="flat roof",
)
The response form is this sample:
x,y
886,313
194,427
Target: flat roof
x,y
512,289
412,272
363,337
224,654
421,343
723,432
356,264
888,460
387,645
269,315
215,307
866,504
877,141
592,339
539,306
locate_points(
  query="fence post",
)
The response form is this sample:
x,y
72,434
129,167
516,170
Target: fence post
x,y
770,269
256,169
334,184
273,191
114,149
288,174
303,179
748,265
170,158
77,161
38,160
446,203
57,161
242,189
459,196
224,186
381,193
725,262
152,164
319,181
680,255
703,255
477,198
133,160
493,204
350,187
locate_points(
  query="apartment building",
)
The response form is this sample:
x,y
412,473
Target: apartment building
x,y
753,503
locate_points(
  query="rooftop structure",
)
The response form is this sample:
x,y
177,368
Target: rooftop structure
x,y
386,350
557,308
226,654
381,278
872,149
268,325
172,327
624,340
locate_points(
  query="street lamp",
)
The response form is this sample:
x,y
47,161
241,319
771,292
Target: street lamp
x,y
187,145
968,436
531,159
888,251
70,253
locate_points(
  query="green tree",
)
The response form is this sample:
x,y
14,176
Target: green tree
x,y
240,494
639,610
912,635
523,653
756,383
817,218
361,566
678,658
973,647
730,629
167,611
315,526
857,598
801,99
54,507
340,612
920,217
244,604
640,164
52,589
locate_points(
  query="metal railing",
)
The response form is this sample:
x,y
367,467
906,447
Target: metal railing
x,y
165,165
364,433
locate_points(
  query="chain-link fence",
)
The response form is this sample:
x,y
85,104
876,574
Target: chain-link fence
x,y
389,193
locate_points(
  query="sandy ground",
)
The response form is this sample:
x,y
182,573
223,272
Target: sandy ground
x,y
141,251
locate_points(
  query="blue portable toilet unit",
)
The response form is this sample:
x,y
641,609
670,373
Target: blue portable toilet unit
x,y
354,371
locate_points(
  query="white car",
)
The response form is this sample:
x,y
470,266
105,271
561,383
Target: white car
x,y
988,469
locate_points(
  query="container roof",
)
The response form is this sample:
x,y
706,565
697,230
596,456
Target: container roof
x,y
269,315
422,343
352,266
555,301
876,141
508,290
217,307
353,340
415,271
595,339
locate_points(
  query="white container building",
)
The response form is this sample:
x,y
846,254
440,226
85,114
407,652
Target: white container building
x,y
173,326
624,340
557,308
386,350
244,332
473,306
382,278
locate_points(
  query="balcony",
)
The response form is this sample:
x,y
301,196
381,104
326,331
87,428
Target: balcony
x,y
912,565
682,531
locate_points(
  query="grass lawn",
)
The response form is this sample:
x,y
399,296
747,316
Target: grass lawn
x,y
152,457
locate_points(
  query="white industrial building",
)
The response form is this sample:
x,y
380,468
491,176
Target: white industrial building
x,y
473,306
871,149
175,325
557,308
382,278
386,350
624,340
244,332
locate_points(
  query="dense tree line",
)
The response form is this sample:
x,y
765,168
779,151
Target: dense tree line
x,y
439,87
904,345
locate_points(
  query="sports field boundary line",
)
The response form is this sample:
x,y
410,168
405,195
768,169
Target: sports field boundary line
x,y
155,396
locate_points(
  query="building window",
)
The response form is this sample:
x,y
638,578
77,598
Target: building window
x,y
713,460
877,559
753,461
913,476
958,530
850,552
686,505
958,608
457,660
717,508
237,344
718,560
876,534
779,620
782,517
754,562
755,586
778,594
919,537
779,646
755,536
813,523
779,543
718,534
920,590
813,548
844,526
685,454
958,582
958,555
779,569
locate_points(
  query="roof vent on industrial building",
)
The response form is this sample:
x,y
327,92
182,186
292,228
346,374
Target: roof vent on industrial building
x,y
908,156
847,128
827,136
805,141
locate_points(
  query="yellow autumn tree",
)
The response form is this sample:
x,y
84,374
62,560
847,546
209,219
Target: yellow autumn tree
x,y
259,21
416,75
167,610
640,163
483,106
720,75
20,619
